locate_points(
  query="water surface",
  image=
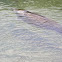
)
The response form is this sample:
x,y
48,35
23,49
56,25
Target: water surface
x,y
21,42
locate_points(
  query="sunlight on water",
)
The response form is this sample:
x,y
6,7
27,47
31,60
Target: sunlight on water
x,y
22,42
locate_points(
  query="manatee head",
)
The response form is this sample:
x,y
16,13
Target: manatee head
x,y
20,12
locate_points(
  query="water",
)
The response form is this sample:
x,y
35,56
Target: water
x,y
21,42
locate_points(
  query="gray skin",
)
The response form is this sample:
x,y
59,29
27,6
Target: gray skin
x,y
38,20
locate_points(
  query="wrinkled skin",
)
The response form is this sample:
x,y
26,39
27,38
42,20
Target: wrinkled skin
x,y
38,20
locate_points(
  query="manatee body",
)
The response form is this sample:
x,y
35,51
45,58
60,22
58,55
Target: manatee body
x,y
38,20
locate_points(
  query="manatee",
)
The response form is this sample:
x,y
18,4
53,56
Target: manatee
x,y
38,20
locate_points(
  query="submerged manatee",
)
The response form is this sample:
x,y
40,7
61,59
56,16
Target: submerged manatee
x,y
38,20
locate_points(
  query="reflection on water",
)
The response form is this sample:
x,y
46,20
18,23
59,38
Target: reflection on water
x,y
21,42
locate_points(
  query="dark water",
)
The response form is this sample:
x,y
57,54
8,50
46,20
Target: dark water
x,y
21,42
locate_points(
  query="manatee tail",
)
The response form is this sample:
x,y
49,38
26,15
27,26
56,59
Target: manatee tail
x,y
55,27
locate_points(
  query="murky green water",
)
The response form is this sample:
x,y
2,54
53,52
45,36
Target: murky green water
x,y
21,42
